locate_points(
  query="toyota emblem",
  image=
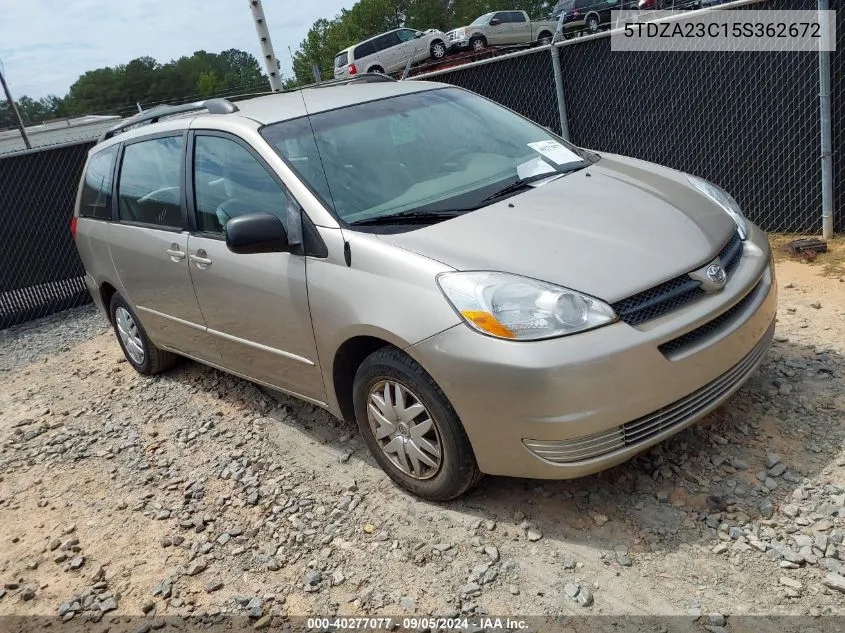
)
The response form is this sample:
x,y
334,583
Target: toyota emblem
x,y
716,274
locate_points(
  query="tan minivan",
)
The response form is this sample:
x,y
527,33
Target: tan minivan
x,y
511,305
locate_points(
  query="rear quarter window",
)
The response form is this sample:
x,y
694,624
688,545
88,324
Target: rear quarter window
x,y
341,59
95,201
367,48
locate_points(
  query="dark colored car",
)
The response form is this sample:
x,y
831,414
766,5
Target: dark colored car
x,y
586,15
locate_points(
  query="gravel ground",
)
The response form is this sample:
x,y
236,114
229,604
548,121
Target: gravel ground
x,y
27,343
197,493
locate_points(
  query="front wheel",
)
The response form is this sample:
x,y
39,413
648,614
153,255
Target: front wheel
x,y
411,428
477,43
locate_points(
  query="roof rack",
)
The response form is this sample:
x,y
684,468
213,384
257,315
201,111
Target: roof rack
x,y
212,106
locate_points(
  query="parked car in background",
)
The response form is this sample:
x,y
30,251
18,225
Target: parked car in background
x,y
389,52
572,16
501,27
478,294
673,5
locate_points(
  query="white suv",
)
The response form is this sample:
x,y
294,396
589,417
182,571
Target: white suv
x,y
390,52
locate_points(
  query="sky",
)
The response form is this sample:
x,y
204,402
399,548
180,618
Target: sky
x,y
46,44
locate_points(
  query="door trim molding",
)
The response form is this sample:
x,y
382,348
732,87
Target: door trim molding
x,y
229,337
259,346
170,317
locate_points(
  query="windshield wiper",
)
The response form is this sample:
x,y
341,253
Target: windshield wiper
x,y
411,216
524,183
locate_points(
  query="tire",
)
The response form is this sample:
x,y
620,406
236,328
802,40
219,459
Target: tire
x,y
477,43
592,23
152,359
438,50
456,470
376,69
544,38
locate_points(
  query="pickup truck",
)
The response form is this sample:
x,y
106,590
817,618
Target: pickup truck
x,y
502,27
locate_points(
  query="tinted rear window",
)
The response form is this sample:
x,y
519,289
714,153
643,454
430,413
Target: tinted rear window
x,y
341,60
367,48
96,190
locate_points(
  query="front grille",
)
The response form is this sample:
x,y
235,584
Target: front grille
x,y
675,293
639,431
708,328
658,300
731,254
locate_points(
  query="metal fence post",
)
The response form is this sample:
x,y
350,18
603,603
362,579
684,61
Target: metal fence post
x,y
826,133
561,103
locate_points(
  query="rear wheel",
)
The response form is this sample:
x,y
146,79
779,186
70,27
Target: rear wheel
x,y
477,43
411,428
593,23
437,50
544,38
376,69
145,357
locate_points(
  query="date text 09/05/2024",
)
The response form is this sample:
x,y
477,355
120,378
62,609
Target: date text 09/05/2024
x,y
413,623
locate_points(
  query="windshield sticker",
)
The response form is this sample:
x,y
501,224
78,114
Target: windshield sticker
x,y
402,130
534,167
555,152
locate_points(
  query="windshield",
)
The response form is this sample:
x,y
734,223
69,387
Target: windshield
x,y
341,59
484,19
561,6
437,150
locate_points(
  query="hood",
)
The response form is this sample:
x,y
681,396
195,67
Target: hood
x,y
611,230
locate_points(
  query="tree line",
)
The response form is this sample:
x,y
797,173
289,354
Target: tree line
x,y
144,81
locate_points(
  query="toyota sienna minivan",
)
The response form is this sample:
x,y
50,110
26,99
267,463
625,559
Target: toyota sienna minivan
x,y
502,303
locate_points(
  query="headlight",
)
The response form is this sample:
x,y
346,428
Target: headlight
x,y
520,308
724,200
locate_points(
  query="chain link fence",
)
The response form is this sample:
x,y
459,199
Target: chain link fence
x,y
748,121
40,271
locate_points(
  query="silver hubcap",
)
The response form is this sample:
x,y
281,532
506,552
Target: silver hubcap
x,y
404,430
439,50
478,45
129,334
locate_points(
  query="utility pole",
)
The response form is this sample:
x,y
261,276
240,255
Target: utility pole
x,y
270,61
14,109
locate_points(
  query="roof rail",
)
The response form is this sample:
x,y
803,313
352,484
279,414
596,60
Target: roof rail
x,y
363,78
212,106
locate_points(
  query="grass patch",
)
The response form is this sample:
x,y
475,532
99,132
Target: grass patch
x,y
832,262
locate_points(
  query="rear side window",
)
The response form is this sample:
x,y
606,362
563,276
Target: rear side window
x,y
148,190
386,41
516,16
341,59
96,190
367,48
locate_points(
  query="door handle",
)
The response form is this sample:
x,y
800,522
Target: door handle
x,y
175,253
200,260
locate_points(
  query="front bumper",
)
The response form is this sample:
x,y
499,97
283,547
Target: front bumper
x,y
558,409
459,44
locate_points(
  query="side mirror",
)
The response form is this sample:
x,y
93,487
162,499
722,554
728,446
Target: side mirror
x,y
419,34
256,233
495,21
